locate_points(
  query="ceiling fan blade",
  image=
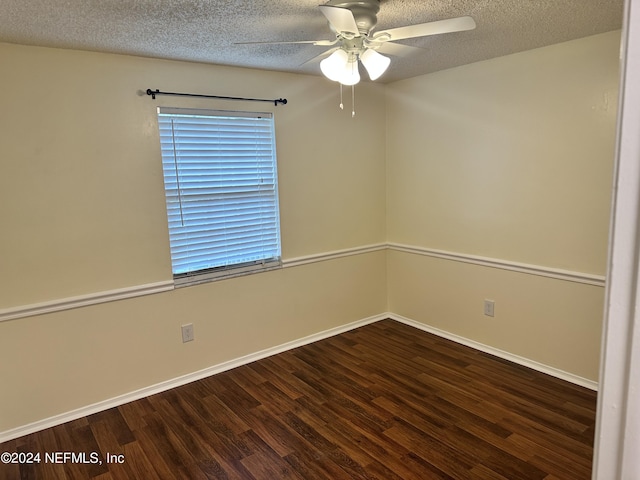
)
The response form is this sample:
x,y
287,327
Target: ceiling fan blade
x,y
458,24
395,49
341,19
322,43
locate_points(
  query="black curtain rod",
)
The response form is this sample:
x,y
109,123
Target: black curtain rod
x,y
153,94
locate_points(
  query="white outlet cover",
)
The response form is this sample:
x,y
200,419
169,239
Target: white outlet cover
x,y
187,333
489,306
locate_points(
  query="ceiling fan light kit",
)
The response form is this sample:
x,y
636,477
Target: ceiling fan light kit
x,y
375,63
341,67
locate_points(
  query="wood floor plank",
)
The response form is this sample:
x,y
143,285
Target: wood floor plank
x,y
384,401
431,451
137,462
264,463
273,431
553,460
133,413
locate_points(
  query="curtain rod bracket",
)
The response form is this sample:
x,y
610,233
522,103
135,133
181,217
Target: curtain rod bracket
x,y
153,94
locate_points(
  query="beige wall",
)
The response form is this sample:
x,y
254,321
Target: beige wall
x,y
554,323
83,212
52,364
509,159
83,182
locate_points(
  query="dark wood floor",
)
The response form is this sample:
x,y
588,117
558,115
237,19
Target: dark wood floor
x,y
385,401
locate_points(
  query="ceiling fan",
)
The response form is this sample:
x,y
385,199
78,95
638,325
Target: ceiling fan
x,y
353,22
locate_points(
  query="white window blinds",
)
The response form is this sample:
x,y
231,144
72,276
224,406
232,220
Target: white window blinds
x,y
221,191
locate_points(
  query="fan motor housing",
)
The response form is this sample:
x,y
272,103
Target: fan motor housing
x,y
364,11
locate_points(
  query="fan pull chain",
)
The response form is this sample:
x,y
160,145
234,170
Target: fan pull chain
x,y
353,101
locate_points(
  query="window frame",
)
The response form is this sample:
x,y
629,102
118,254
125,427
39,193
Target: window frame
x,y
266,197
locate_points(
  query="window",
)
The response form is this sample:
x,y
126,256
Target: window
x,y
221,190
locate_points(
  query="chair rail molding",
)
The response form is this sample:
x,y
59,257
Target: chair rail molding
x,y
68,303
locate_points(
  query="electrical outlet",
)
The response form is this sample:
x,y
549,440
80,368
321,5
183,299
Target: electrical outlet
x,y
187,333
489,306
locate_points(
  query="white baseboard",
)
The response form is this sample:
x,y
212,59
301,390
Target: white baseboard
x,y
222,367
179,381
540,367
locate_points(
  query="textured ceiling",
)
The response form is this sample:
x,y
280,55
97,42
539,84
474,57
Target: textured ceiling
x,y
206,30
